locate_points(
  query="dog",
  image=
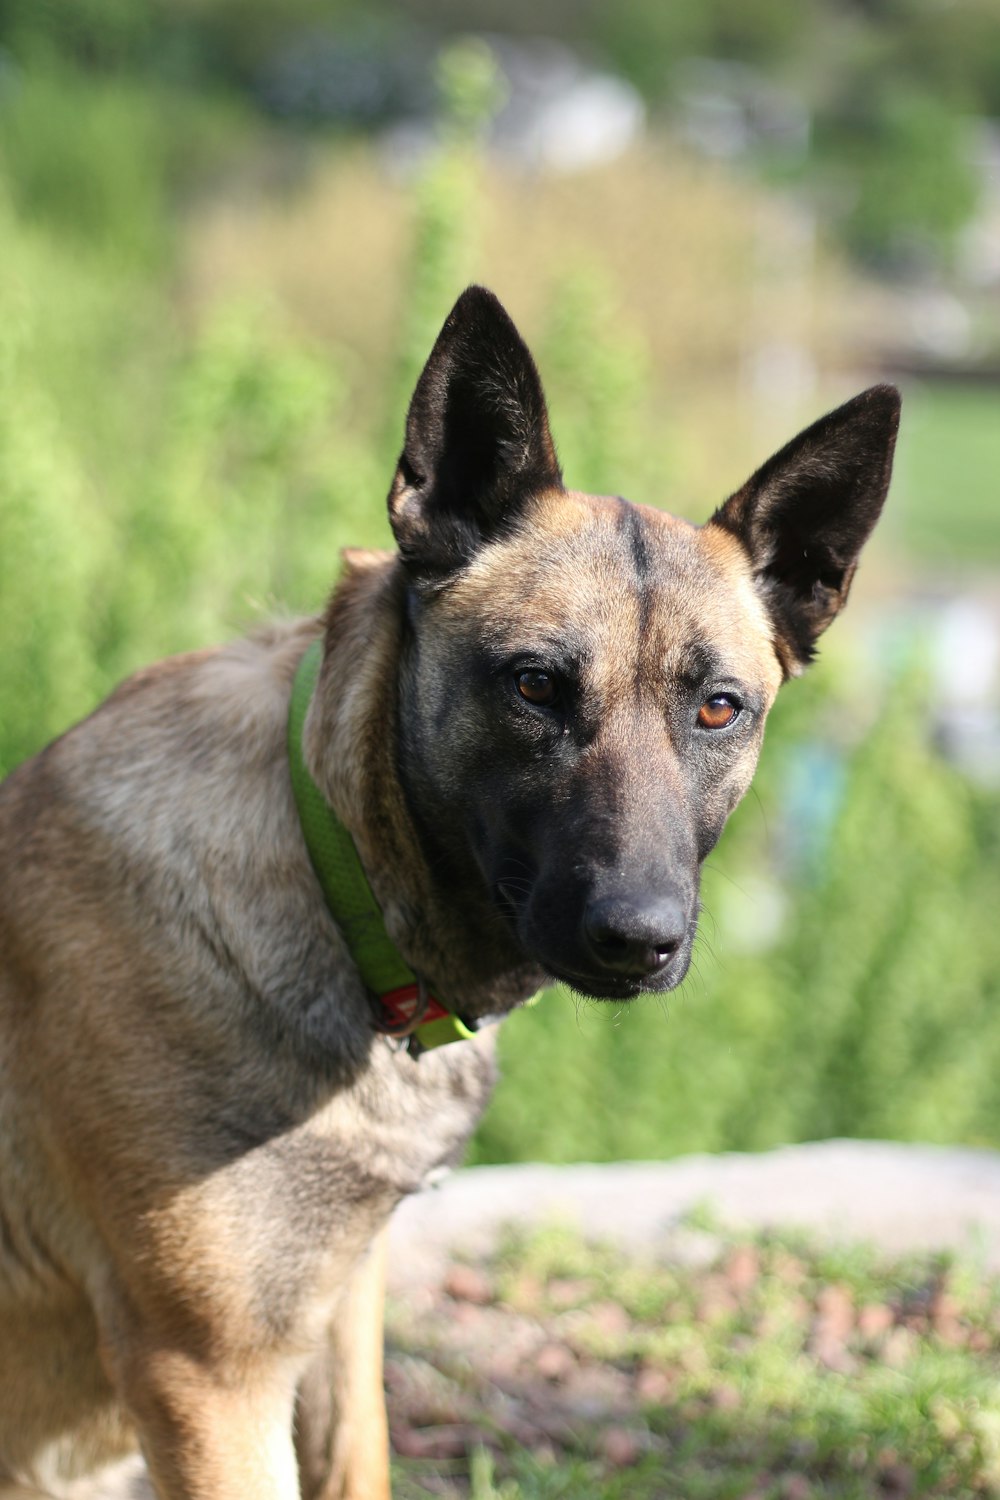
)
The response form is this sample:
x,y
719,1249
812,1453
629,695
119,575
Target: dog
x,y
238,1025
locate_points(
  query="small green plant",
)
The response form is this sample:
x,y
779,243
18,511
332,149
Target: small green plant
x,y
482,1479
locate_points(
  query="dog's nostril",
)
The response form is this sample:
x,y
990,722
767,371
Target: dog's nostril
x,y
605,937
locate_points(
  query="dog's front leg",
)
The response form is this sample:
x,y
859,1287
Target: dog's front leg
x,y
213,1435
341,1433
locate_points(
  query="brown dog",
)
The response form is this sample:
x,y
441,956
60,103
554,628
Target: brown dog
x,y
534,720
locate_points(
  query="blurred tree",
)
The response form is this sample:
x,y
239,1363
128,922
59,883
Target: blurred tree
x,y
93,33
647,39
903,164
952,50
884,78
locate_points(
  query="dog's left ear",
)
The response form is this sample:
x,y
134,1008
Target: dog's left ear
x,y
806,514
477,440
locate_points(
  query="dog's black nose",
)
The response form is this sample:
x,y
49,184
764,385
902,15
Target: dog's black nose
x,y
634,939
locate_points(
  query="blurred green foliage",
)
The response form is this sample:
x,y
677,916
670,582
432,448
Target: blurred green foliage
x,y
163,481
902,161
888,85
88,165
647,39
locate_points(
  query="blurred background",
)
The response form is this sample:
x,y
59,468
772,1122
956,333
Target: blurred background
x,y
229,231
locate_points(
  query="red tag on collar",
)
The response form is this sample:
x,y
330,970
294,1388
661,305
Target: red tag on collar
x,y
400,1007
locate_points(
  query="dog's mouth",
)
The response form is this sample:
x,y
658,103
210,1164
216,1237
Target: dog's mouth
x,y
594,988
607,986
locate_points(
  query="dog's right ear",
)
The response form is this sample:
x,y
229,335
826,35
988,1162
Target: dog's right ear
x,y
477,440
806,514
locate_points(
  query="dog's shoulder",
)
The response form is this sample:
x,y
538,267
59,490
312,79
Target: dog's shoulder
x,y
159,835
176,741
228,703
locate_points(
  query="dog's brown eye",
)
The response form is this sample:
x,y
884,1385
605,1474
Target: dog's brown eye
x,y
537,687
717,712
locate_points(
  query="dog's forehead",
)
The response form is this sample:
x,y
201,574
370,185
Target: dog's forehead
x,y
596,568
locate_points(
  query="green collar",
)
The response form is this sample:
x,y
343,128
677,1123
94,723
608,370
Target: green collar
x,y
404,1008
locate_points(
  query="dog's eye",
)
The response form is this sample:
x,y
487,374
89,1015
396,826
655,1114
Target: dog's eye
x,y
717,712
537,687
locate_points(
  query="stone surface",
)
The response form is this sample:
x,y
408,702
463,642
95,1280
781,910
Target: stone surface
x,y
899,1197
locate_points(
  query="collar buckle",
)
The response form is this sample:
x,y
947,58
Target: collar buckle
x,y
402,1011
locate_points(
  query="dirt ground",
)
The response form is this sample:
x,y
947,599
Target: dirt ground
x,y
820,1321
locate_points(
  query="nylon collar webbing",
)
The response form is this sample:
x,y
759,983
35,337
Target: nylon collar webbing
x,y
348,895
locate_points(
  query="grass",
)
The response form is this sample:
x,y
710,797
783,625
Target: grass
x,y
769,1368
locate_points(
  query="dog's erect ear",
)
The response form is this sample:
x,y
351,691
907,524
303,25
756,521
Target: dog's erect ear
x,y
806,514
477,439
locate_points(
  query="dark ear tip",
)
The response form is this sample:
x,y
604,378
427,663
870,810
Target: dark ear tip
x,y
476,302
882,401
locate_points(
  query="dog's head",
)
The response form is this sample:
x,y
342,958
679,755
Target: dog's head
x,y
587,680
